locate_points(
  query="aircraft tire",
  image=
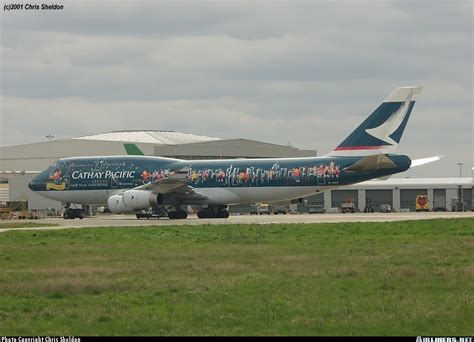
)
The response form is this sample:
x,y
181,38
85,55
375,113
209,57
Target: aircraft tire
x,y
222,214
177,215
202,214
208,213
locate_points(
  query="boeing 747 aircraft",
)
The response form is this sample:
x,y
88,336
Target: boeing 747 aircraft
x,y
133,183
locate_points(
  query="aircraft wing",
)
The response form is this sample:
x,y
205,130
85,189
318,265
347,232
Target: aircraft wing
x,y
174,186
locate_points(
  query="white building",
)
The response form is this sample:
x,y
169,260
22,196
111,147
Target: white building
x,y
401,193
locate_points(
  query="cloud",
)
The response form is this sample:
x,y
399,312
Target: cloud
x,y
299,72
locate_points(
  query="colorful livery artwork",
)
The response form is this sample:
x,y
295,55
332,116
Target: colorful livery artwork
x,y
255,176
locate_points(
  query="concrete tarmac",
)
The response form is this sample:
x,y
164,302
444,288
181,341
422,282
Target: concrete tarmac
x,y
105,220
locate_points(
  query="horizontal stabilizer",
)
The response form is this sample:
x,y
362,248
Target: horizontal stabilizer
x,y
417,162
371,163
423,161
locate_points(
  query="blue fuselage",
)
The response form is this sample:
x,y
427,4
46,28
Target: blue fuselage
x,y
113,174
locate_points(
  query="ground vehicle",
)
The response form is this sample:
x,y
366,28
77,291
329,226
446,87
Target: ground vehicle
x,y
458,205
348,206
152,213
72,213
279,209
368,206
5,213
315,209
422,203
263,208
385,208
253,209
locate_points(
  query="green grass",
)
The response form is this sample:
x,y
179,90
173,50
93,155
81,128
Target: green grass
x,y
398,278
27,224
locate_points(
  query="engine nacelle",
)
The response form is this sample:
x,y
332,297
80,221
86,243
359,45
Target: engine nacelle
x,y
131,200
115,204
139,199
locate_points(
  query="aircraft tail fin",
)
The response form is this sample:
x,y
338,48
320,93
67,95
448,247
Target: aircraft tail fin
x,y
133,150
382,131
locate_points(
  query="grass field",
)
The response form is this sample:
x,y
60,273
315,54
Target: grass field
x,y
399,278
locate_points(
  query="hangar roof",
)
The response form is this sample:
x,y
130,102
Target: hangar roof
x,y
149,136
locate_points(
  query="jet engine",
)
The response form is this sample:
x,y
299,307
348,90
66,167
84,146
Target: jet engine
x,y
131,200
115,204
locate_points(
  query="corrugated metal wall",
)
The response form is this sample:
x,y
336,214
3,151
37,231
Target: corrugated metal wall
x,y
339,196
439,198
4,193
467,197
378,197
316,199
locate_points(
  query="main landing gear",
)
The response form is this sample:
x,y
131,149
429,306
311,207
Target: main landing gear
x,y
213,212
178,214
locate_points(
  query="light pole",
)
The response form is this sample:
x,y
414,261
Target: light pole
x,y
460,192
460,169
49,136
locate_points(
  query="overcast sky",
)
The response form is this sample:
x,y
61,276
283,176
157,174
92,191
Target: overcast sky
x,y
304,73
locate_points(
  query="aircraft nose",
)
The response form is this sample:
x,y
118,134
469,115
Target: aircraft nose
x,y
32,182
35,183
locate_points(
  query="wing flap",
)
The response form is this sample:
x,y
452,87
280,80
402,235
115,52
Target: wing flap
x,y
175,180
175,186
